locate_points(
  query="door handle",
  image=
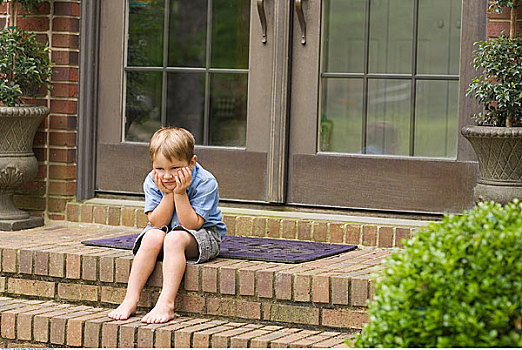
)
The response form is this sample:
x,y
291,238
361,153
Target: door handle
x,y
302,22
262,18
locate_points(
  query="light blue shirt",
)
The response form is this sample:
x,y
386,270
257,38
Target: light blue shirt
x,y
203,197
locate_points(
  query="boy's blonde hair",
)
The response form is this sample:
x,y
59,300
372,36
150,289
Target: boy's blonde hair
x,y
173,143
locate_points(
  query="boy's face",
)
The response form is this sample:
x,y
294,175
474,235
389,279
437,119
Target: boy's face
x,y
168,169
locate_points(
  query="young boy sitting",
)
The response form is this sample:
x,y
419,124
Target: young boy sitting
x,y
185,224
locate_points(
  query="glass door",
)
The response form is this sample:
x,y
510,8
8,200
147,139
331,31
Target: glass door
x,y
200,65
331,103
375,97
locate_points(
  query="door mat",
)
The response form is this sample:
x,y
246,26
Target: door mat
x,y
251,248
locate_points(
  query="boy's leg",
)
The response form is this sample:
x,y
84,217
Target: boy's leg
x,y
142,266
178,246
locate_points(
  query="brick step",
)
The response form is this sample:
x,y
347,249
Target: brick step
x,y
50,263
33,323
368,231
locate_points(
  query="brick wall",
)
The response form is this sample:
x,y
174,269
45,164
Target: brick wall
x,y
56,22
498,22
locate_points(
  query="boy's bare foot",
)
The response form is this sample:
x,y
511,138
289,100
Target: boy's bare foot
x,y
124,311
159,314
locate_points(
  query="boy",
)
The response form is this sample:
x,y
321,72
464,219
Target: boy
x,y
185,224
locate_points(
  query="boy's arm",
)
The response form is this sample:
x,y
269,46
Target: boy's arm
x,y
162,214
186,214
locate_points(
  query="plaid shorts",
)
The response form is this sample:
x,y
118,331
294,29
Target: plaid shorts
x,y
208,239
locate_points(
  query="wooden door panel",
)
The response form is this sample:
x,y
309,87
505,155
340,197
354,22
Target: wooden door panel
x,y
241,175
395,184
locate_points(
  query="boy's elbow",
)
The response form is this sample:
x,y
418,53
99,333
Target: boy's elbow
x,y
196,224
155,221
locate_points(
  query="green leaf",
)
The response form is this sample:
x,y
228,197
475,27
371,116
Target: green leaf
x,y
457,283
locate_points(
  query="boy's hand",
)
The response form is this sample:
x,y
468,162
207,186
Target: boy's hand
x,y
183,180
165,188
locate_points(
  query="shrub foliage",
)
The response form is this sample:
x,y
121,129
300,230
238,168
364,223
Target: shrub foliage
x,y
499,87
24,66
457,283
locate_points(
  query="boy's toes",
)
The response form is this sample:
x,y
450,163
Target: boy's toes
x,y
157,316
122,312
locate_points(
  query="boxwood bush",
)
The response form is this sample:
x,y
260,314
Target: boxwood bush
x,y
457,283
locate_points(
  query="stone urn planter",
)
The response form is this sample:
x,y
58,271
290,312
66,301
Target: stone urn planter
x,y
18,164
499,154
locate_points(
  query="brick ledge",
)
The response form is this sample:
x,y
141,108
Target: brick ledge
x,y
36,323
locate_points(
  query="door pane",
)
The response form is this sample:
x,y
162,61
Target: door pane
x,y
145,46
142,105
436,118
186,102
439,36
187,33
230,33
228,97
389,113
391,36
341,115
344,37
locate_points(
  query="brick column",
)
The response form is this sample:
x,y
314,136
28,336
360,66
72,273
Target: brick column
x,y
56,22
63,104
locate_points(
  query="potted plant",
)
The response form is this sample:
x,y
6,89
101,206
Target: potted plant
x,y
25,70
497,137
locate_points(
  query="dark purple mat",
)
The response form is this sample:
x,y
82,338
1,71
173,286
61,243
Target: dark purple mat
x,y
251,248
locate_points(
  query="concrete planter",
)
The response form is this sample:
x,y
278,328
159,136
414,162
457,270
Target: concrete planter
x,y
18,164
499,154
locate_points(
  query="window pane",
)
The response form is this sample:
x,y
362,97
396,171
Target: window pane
x,y
391,36
228,114
186,102
436,118
388,128
230,33
341,115
145,46
187,33
439,36
344,36
142,105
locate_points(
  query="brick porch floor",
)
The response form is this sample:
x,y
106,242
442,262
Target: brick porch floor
x,y
325,298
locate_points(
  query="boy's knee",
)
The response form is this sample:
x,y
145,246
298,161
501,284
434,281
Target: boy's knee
x,y
153,238
177,239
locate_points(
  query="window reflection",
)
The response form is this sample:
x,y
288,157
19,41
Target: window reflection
x,y
391,36
344,39
186,102
374,99
145,45
184,65
142,105
228,109
230,33
342,117
187,33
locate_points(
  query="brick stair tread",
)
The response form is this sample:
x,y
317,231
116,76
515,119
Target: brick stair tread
x,y
50,263
48,323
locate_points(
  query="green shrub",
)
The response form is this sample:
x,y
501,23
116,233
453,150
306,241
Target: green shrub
x,y
499,88
457,283
25,66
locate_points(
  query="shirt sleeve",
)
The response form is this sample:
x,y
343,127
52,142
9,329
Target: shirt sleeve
x,y
205,198
152,194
